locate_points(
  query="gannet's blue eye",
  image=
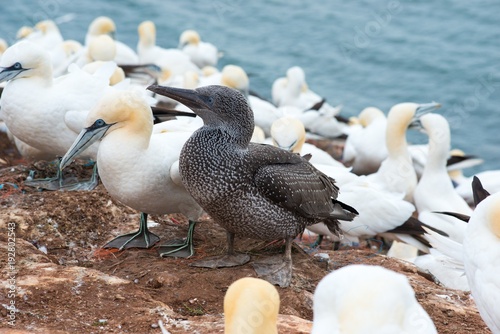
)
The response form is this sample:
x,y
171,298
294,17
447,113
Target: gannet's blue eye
x,y
17,66
210,100
99,123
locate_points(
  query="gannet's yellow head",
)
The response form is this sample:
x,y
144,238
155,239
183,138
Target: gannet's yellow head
x,y
251,305
71,47
288,133
25,59
147,33
235,77
24,32
368,115
47,26
208,70
102,25
126,111
102,48
189,37
122,109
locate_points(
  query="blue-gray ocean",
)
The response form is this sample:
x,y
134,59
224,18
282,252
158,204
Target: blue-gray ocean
x,y
355,53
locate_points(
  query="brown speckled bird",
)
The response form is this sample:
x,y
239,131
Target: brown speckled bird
x,y
252,190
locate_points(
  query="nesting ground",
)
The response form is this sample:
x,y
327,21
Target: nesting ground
x,y
77,287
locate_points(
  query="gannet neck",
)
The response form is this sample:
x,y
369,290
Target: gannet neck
x,y
296,80
251,305
288,133
368,115
438,130
494,217
235,77
147,34
398,120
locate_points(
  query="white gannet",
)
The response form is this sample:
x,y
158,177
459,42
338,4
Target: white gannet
x,y
396,173
104,25
368,299
289,134
43,112
251,306
489,178
435,191
201,53
138,166
482,259
365,148
173,62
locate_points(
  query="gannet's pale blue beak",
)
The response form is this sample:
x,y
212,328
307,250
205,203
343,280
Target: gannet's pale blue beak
x,y
422,109
87,137
9,73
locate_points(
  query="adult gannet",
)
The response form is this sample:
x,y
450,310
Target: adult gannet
x,y
138,166
368,299
482,259
173,62
251,306
43,112
289,134
365,147
201,53
435,191
396,173
231,177
104,25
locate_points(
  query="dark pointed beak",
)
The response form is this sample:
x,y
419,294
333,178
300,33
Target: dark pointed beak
x,y
188,97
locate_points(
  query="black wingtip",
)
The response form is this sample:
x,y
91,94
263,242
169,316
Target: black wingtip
x,y
478,191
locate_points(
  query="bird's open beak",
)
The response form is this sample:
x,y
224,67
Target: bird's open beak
x,y
9,73
87,137
422,109
188,97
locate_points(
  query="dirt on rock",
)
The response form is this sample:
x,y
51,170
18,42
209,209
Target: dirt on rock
x,y
66,283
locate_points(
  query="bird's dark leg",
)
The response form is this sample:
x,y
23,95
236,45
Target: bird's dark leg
x,y
231,259
143,238
277,269
179,247
58,183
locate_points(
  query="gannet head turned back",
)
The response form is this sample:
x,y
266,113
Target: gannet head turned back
x,y
368,115
288,133
367,299
3,46
251,305
101,25
25,59
235,77
189,37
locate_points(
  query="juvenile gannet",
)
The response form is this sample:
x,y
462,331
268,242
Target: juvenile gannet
x,y
252,190
43,112
138,167
482,259
104,25
396,173
365,148
201,53
251,306
359,299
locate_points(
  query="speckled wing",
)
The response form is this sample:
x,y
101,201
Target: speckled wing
x,y
293,183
